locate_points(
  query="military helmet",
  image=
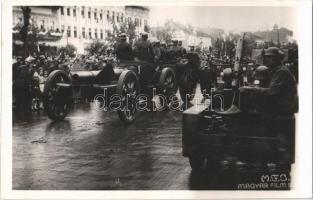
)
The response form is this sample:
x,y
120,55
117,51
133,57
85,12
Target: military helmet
x,y
261,69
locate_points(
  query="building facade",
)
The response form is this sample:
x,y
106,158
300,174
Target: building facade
x,y
80,25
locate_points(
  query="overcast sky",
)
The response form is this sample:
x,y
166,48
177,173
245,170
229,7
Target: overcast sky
x,y
227,18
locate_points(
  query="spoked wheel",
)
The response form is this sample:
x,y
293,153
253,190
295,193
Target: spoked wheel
x,y
57,95
187,86
168,84
128,89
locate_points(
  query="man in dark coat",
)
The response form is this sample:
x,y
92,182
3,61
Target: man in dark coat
x,y
123,49
280,97
144,50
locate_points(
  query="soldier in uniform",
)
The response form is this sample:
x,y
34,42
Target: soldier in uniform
x,y
23,87
280,96
157,50
182,49
175,50
163,51
144,50
123,49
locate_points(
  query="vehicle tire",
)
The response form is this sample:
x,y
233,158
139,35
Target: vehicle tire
x,y
57,100
197,162
128,88
168,84
187,86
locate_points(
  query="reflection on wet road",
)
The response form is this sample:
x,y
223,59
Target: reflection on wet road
x,y
91,149
94,150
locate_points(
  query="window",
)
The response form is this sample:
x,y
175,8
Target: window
x,y
68,12
118,17
122,17
52,25
90,37
101,16
96,34
62,11
95,14
101,34
75,32
140,22
113,16
68,31
62,28
136,22
74,13
83,12
83,32
89,14
108,15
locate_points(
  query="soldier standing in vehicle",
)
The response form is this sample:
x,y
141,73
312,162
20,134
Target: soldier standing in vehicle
x,y
143,49
157,50
182,49
280,97
123,49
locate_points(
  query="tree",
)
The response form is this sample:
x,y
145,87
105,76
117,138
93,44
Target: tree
x,y
69,50
96,47
126,27
24,30
165,33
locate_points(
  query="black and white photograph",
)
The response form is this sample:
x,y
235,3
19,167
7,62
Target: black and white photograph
x,y
155,96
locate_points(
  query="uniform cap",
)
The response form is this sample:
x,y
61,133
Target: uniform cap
x,y
122,35
274,51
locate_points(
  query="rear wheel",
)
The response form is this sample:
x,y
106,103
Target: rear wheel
x,y
197,162
128,89
57,95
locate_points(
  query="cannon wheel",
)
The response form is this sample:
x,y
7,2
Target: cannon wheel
x,y
168,83
187,86
127,88
56,99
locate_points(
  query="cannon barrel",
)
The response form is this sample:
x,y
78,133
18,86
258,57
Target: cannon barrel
x,y
84,77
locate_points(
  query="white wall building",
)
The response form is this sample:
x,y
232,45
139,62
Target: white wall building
x,y
80,25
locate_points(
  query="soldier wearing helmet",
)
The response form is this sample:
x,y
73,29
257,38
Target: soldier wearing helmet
x,y
281,93
262,76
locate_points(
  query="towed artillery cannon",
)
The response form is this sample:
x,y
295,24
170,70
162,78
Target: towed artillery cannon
x,y
125,80
60,88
